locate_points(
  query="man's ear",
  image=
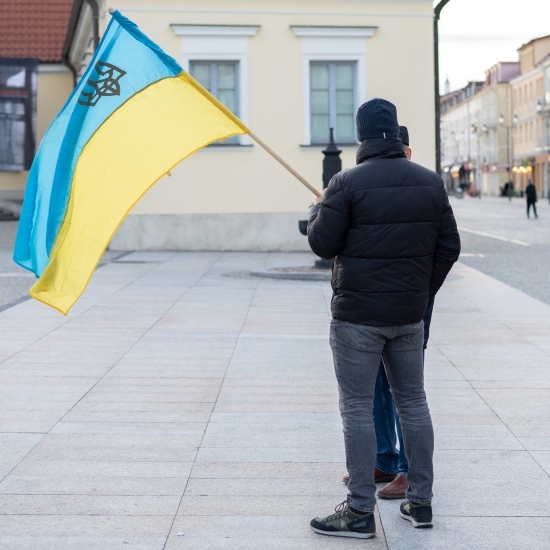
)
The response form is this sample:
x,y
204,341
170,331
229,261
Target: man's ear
x,y
408,152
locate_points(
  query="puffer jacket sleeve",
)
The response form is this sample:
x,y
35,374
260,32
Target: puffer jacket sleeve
x,y
329,221
447,248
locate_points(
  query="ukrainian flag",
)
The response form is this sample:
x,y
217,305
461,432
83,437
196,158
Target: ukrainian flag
x,y
134,115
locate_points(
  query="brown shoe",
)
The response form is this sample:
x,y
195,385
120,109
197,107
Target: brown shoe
x,y
379,477
382,477
394,490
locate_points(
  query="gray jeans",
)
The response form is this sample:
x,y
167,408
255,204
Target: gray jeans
x,y
357,350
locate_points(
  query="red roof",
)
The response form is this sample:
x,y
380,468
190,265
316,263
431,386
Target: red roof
x,y
34,28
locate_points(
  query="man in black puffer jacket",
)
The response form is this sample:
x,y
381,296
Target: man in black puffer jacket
x,y
391,229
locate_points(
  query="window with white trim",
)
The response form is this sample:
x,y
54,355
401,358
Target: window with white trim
x,y
332,101
221,79
217,56
334,76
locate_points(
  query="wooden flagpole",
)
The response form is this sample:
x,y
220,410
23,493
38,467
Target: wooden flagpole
x,y
284,163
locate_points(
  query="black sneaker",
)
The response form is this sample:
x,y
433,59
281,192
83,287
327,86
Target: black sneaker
x,y
345,523
420,515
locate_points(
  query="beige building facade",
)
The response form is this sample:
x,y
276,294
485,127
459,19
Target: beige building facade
x,y
545,145
290,69
529,118
475,129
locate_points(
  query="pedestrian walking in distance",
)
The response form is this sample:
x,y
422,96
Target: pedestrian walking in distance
x,y
531,196
389,225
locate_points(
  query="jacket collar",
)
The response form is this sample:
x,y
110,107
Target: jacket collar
x,y
391,148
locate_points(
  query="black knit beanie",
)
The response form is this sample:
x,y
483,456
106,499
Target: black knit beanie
x,y
404,135
377,119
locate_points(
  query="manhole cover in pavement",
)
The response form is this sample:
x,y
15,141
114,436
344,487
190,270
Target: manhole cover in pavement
x,y
297,273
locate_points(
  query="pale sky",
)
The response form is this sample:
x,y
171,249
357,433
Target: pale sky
x,y
476,34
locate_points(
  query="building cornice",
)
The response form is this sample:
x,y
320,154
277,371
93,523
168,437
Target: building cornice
x,y
526,76
333,31
215,30
397,14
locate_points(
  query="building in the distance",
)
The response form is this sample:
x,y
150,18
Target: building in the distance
x,y
530,117
475,131
545,142
490,126
457,147
290,69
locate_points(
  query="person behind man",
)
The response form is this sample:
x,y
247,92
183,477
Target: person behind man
x,y
531,196
391,229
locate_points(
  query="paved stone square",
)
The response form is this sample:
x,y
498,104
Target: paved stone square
x,y
177,407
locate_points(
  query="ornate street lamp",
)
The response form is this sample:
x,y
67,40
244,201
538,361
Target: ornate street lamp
x,y
501,120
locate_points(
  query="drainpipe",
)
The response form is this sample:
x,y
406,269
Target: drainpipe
x,y
94,6
437,14
67,62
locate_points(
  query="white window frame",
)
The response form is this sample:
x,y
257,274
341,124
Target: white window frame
x,y
220,43
333,109
320,44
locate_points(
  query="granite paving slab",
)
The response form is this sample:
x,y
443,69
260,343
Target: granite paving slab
x,y
171,391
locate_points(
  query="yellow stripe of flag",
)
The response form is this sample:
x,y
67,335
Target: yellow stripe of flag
x,y
138,144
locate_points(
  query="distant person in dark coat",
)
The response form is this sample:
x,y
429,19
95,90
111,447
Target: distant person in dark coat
x,y
531,196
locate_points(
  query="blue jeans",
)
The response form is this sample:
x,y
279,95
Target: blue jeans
x,y
389,459
357,350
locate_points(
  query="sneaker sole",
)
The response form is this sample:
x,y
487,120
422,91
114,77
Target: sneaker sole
x,y
417,524
344,534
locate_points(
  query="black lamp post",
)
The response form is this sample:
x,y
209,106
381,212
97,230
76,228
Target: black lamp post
x,y
332,164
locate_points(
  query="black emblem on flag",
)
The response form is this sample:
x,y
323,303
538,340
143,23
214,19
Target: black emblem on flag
x,y
106,84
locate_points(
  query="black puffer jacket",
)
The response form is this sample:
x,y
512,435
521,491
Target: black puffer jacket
x,y
389,223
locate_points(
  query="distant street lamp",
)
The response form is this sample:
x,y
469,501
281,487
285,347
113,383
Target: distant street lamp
x,y
501,120
474,129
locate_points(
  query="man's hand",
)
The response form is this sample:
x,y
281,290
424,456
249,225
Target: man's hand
x,y
319,200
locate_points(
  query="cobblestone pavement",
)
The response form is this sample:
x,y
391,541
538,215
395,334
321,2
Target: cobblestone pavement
x,y
524,267
177,408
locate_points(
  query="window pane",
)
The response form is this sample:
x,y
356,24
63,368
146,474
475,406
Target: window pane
x,y
319,128
226,76
229,99
320,103
319,77
344,77
345,128
344,102
201,72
